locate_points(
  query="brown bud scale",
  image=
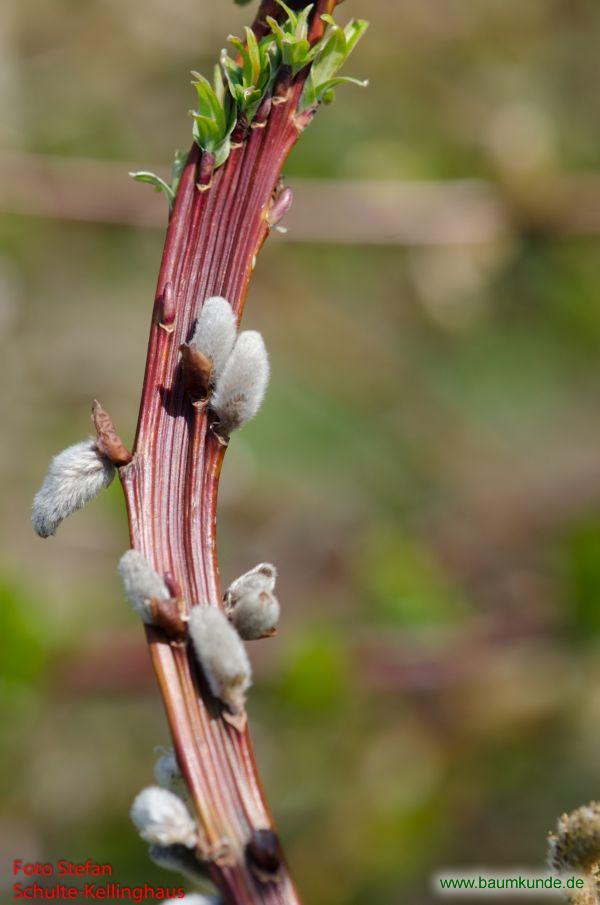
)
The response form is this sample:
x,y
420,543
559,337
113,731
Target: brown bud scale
x,y
197,371
108,442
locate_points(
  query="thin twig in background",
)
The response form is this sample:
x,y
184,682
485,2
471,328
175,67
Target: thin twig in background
x,y
374,212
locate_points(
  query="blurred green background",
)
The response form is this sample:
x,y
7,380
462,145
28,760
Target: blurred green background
x,y
425,471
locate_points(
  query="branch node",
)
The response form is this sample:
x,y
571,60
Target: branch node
x,y
239,721
168,616
219,853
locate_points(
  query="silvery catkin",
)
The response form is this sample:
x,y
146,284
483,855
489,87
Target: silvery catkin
x,y
75,476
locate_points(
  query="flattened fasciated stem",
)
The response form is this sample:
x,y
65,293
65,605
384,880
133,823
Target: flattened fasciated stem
x,y
171,485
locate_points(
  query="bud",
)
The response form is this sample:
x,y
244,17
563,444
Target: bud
x,y
261,578
141,583
76,475
179,859
215,332
163,819
167,772
280,205
241,387
196,371
255,615
263,853
222,656
576,843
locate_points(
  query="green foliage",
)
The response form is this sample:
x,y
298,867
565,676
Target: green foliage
x,y
239,87
291,37
215,117
169,188
177,168
331,53
250,81
152,179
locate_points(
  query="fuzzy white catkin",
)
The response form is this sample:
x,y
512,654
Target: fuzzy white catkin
x,y
141,583
241,387
215,333
260,578
255,614
75,476
222,656
163,819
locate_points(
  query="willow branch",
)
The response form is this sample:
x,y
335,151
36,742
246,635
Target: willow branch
x,y
171,485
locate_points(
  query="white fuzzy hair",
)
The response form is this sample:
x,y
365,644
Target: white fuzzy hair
x,y
260,578
75,476
241,387
215,332
255,614
163,819
141,583
222,656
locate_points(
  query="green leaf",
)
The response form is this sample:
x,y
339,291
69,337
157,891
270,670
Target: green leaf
x,y
354,31
329,55
275,28
177,168
293,18
219,86
301,31
309,94
253,56
221,152
159,184
209,104
331,58
246,70
343,80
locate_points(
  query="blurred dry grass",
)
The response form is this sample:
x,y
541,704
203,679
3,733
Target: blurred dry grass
x,y
424,473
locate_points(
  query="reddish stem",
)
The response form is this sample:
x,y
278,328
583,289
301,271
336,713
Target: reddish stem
x,y
172,482
171,486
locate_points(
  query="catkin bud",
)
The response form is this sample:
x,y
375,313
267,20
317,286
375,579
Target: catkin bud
x,y
255,615
215,333
261,578
180,859
222,656
141,583
76,475
167,772
163,819
576,843
241,387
